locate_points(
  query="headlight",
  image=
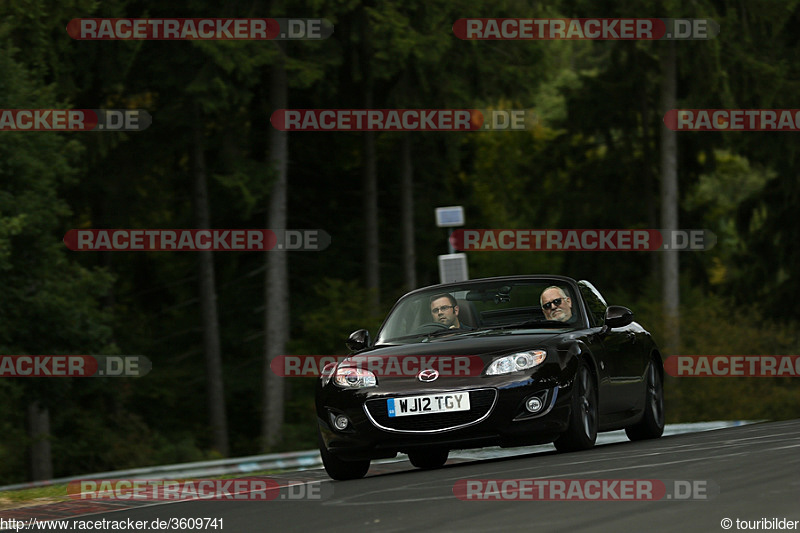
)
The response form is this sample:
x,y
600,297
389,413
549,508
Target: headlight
x,y
516,362
354,378
327,373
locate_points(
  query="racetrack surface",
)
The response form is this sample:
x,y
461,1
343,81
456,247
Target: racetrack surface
x,y
755,467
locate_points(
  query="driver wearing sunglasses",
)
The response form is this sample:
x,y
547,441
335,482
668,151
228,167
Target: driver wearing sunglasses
x,y
556,305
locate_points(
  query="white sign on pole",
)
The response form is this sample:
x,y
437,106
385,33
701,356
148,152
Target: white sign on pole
x,y
447,217
452,268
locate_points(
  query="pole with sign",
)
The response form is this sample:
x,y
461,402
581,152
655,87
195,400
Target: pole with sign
x,y
452,266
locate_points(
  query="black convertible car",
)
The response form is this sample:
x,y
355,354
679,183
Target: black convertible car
x,y
505,361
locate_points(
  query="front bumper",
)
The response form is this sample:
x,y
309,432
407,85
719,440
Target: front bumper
x,y
497,418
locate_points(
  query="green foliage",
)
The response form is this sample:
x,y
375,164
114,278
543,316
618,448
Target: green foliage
x,y
13,455
49,304
713,324
47,494
717,196
591,162
337,309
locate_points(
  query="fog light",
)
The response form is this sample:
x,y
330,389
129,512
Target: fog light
x,y
534,404
341,422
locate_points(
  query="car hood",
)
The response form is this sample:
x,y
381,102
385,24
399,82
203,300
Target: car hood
x,y
397,367
482,343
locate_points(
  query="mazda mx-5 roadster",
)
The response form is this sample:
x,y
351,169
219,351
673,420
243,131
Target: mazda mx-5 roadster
x,y
505,361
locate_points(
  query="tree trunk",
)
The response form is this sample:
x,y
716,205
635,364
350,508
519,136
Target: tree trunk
x,y
370,180
276,315
208,304
669,204
407,206
651,182
39,433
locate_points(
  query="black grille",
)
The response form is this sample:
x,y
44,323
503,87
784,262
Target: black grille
x,y
480,402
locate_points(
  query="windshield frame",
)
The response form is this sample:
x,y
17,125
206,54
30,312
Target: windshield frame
x,y
580,315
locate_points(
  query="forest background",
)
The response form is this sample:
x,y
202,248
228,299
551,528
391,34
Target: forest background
x,y
599,157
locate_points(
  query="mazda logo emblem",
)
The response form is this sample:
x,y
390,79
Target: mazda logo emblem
x,y
428,375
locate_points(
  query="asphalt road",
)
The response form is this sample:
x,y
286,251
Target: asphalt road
x,y
748,473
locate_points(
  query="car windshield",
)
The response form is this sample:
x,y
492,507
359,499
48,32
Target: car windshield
x,y
482,306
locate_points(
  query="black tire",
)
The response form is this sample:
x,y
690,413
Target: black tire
x,y
651,426
429,458
582,431
339,469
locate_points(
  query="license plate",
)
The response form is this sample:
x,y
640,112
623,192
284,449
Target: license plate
x,y
432,403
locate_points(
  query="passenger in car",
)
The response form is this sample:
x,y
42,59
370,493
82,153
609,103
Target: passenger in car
x,y
556,305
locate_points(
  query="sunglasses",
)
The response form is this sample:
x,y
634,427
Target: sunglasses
x,y
552,303
444,308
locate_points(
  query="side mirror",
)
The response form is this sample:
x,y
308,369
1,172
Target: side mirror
x,y
358,340
618,316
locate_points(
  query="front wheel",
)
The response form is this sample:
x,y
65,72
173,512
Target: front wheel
x,y
651,426
582,431
339,469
